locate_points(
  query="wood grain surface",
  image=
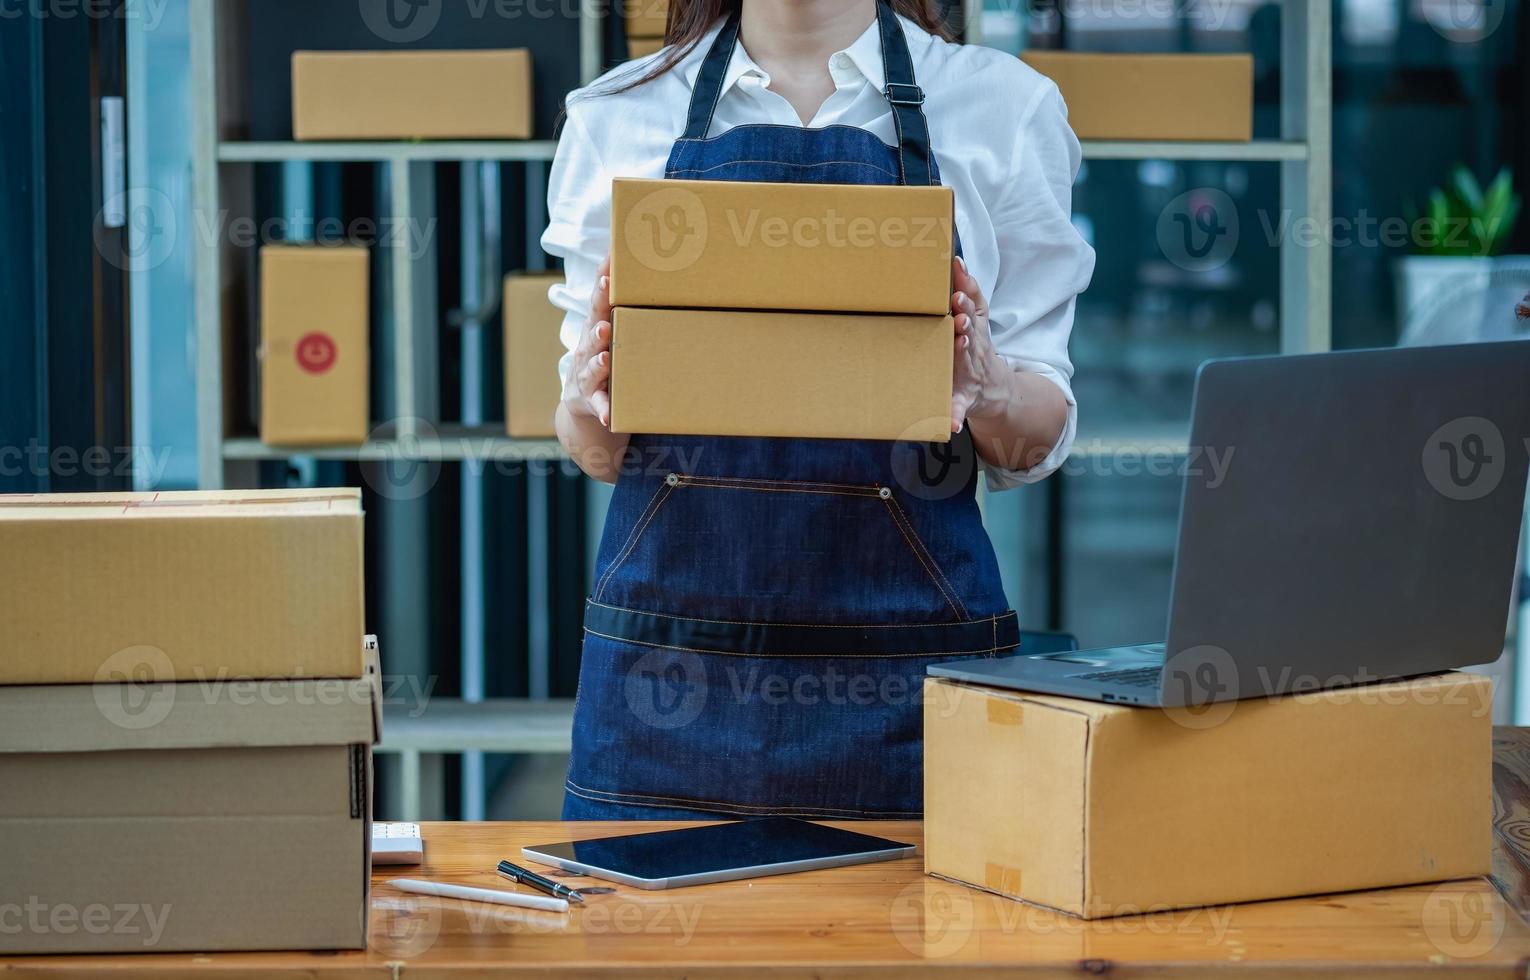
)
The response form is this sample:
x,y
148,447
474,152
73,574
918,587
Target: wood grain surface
x,y
890,919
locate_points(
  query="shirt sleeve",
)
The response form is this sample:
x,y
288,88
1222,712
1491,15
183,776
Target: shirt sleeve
x,y
579,226
1044,263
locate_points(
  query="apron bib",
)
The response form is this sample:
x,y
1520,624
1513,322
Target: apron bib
x,y
764,609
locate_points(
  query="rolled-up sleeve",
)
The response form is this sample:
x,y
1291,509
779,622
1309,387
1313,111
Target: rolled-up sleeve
x,y
579,226
1044,263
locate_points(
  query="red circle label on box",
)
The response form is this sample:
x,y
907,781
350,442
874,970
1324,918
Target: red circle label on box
x,y
316,352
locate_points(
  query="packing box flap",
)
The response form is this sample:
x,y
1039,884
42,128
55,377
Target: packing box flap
x,y
212,713
1101,810
211,503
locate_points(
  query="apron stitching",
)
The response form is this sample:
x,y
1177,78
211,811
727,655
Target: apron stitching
x,y
741,480
893,505
778,163
687,482
635,798
897,123
795,656
601,585
827,626
951,600
637,534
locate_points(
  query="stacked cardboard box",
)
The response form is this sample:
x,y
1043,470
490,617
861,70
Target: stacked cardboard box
x,y
763,309
1102,810
646,21
186,720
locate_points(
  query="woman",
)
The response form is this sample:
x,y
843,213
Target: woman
x,y
764,609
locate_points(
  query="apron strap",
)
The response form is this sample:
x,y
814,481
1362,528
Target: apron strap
x,y
906,99
708,88
901,92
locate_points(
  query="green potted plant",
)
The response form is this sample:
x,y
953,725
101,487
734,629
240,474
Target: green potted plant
x,y
1454,238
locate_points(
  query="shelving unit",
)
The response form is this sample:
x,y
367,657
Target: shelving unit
x,y
223,168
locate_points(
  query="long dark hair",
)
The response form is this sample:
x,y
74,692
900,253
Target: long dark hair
x,y
689,20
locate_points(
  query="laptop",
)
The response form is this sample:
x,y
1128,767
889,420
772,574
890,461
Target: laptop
x,y
1345,517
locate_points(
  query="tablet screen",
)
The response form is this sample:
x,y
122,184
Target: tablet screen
x,y
749,844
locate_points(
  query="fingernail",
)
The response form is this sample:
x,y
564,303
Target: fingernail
x,y
961,262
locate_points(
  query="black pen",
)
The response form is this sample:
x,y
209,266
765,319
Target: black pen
x,y
523,876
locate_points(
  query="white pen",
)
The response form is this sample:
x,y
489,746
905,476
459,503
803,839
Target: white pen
x,y
417,887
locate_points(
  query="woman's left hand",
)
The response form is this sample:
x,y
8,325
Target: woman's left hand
x,y
973,376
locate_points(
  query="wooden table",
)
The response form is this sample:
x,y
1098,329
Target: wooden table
x,y
890,919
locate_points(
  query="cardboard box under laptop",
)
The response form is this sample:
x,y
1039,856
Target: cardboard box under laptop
x,y
187,586
741,373
315,362
533,346
404,95
1101,810
708,244
1153,96
188,817
645,18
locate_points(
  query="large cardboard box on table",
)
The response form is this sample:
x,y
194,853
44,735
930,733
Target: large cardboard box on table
x,y
180,586
187,816
315,362
533,347
742,373
1101,810
1192,97
403,95
713,244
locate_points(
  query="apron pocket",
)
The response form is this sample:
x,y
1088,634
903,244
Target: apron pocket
x,y
779,550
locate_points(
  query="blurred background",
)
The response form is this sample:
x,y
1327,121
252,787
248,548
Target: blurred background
x,y
148,153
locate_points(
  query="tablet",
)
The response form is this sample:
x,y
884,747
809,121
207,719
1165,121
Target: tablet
x,y
717,852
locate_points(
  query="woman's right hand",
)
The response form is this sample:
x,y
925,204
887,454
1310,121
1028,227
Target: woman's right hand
x,y
588,392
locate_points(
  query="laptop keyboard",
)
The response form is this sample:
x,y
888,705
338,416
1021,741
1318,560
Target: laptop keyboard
x,y
1131,677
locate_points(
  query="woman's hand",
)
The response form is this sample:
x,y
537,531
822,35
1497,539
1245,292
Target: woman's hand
x,y
1016,416
588,390
975,361
584,416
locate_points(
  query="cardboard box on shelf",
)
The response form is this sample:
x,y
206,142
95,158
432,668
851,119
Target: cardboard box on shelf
x,y
1192,97
315,362
640,47
1101,810
189,816
645,18
743,373
714,244
532,348
180,586
404,95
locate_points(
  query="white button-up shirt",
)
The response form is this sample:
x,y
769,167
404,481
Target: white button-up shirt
x,y
1000,135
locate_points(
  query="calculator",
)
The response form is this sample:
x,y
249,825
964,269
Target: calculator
x,y
397,843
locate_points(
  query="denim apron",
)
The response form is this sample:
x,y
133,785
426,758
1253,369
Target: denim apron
x,y
764,609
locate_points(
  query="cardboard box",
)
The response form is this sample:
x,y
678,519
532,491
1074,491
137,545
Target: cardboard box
x,y
1102,810
641,47
714,244
1153,96
315,362
737,373
166,817
411,95
645,18
533,347
198,585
